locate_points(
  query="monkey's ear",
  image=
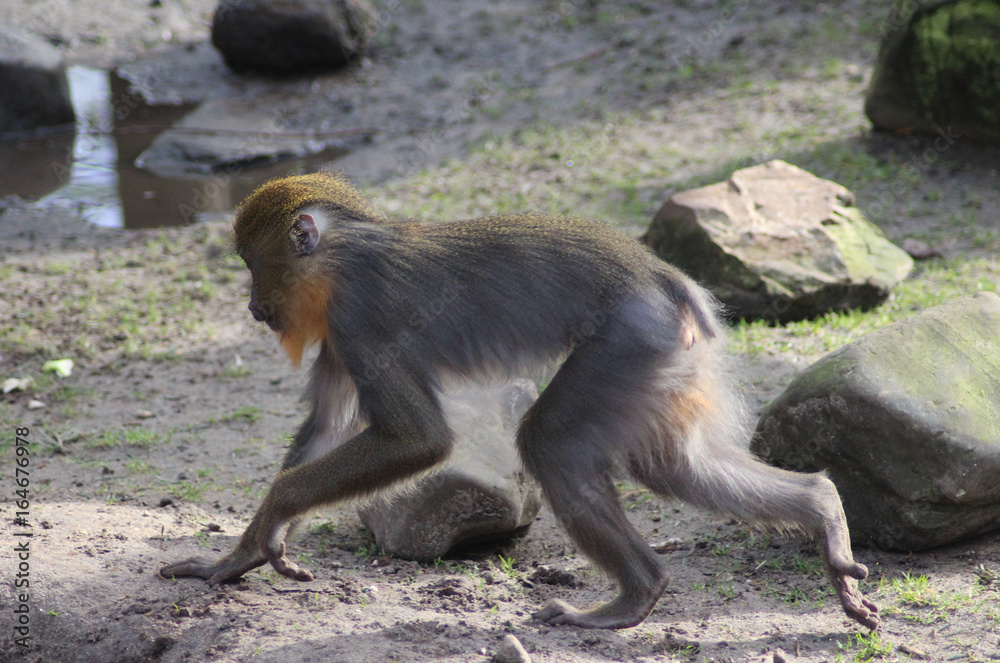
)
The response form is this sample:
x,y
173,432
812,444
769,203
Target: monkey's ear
x,y
306,231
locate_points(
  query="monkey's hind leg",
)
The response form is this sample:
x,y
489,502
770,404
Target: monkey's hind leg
x,y
713,471
569,441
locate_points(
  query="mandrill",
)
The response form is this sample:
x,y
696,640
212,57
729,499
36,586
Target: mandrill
x,y
398,307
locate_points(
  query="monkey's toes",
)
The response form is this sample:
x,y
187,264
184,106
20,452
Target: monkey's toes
x,y
869,617
856,606
844,565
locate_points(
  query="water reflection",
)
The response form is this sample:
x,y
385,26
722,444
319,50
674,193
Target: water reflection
x,y
92,166
91,171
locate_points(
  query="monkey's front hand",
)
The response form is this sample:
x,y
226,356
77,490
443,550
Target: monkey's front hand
x,y
253,551
845,580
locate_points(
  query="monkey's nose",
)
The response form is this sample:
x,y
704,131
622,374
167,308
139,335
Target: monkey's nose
x,y
257,314
263,314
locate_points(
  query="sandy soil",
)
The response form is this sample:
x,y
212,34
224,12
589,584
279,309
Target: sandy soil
x,y
162,442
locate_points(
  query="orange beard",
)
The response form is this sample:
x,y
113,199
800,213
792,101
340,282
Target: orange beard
x,y
306,316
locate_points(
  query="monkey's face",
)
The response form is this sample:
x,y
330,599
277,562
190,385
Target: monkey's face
x,y
270,283
279,232
280,265
263,241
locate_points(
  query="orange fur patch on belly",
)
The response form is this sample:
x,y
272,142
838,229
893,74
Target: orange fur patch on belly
x,y
305,316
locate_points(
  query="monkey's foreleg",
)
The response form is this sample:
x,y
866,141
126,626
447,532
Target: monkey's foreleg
x,y
371,460
259,543
843,571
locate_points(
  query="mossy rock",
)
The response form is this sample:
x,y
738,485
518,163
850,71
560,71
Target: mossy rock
x,y
777,243
938,70
907,422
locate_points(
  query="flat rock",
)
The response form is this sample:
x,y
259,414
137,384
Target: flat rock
x,y
907,422
777,243
292,36
224,135
33,80
938,71
481,493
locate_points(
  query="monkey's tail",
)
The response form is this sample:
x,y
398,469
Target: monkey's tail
x,y
697,309
698,400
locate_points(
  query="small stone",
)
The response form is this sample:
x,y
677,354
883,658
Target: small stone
x,y
919,250
511,651
670,545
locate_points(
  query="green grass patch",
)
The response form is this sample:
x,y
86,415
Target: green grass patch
x,y
932,283
128,437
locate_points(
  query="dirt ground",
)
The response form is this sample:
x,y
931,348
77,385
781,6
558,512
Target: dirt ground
x,y
164,439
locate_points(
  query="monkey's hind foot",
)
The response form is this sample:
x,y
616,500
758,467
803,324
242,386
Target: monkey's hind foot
x,y
627,610
556,611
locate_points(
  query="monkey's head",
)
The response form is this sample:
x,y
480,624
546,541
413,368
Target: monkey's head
x,y
280,232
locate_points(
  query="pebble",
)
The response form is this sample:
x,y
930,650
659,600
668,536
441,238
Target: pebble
x,y
511,651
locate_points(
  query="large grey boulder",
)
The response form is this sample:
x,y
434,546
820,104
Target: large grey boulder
x,y
938,70
777,243
34,91
907,422
481,493
292,36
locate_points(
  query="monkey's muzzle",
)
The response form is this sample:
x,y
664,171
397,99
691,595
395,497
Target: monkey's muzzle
x,y
262,314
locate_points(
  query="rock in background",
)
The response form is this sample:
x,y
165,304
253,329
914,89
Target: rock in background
x,y
481,493
939,69
292,36
224,136
907,422
35,92
777,243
